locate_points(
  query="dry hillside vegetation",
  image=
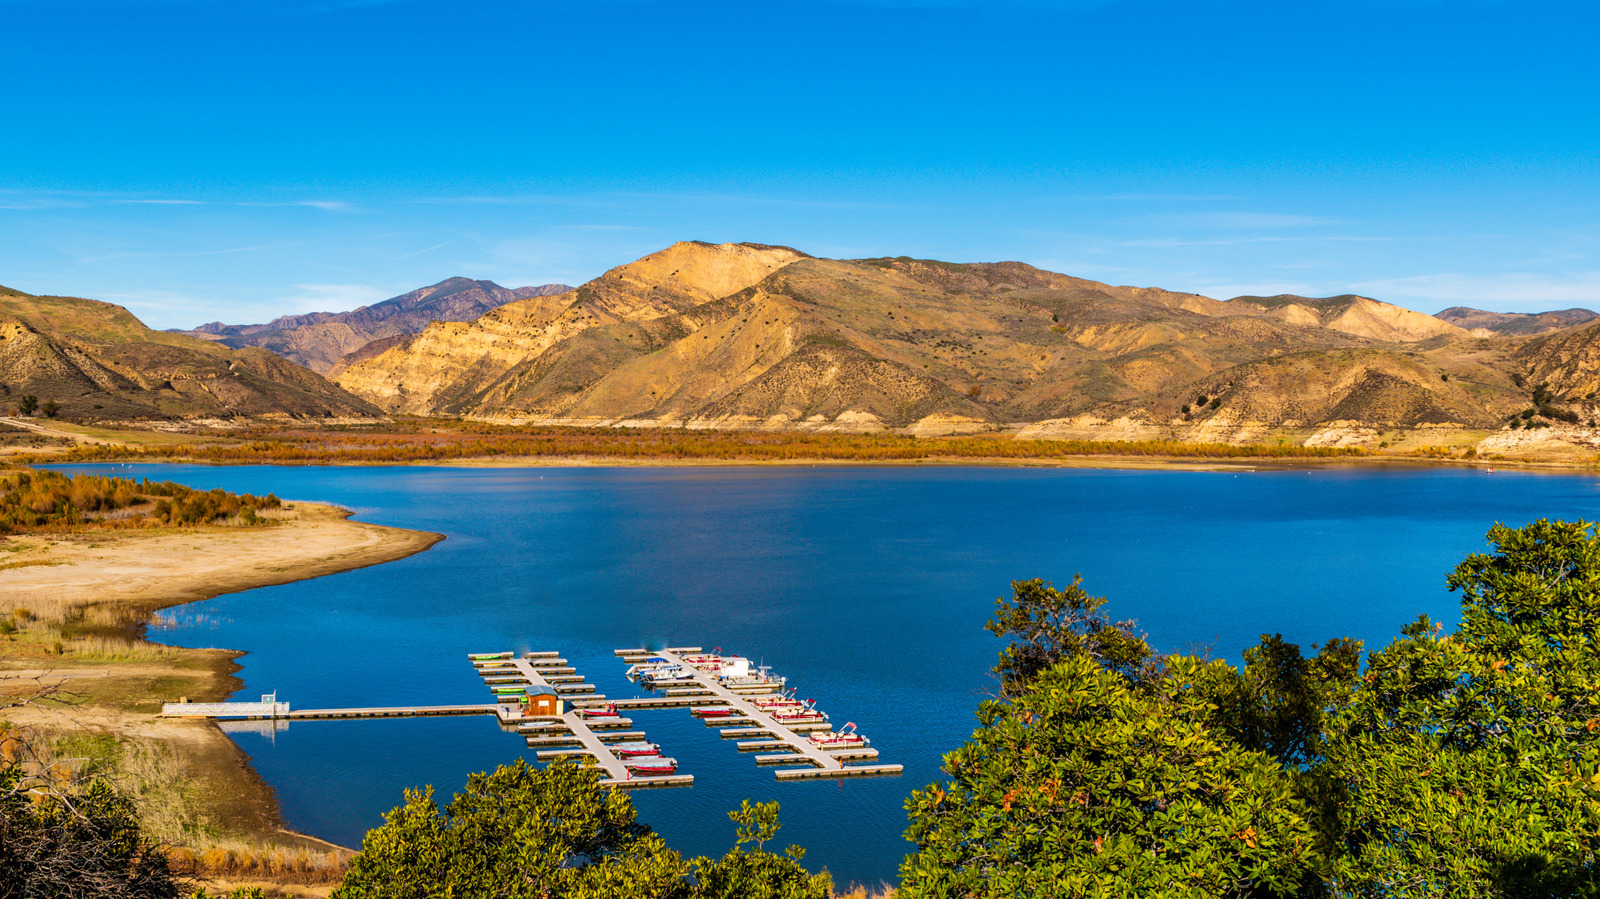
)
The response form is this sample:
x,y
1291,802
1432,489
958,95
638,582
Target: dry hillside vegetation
x,y
750,336
96,361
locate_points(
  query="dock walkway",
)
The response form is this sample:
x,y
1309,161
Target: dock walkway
x,y
537,669
751,721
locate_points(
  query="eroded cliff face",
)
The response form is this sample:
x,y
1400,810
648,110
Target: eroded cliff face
x,y
739,335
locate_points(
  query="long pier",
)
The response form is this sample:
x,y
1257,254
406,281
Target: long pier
x,y
751,721
255,711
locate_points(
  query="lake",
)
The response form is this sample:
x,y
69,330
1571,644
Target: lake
x,y
867,586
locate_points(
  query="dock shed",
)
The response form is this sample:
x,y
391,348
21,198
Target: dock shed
x,y
542,701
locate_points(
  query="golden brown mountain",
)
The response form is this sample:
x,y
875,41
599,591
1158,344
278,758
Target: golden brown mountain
x,y
1566,362
739,335
1361,316
93,361
318,340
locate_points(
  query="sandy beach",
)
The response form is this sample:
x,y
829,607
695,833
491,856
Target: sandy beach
x,y
107,584
167,568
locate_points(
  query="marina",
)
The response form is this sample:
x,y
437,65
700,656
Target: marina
x,y
739,712
559,715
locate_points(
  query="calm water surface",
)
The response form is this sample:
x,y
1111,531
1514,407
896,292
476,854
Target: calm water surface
x,y
868,587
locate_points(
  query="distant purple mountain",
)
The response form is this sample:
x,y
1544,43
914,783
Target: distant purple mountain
x,y
318,340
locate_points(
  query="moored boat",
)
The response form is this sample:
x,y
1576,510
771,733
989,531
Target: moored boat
x,y
843,738
805,714
609,710
635,749
663,677
713,711
653,663
654,764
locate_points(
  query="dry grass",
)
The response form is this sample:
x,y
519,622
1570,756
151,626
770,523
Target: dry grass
x,y
142,770
856,891
239,860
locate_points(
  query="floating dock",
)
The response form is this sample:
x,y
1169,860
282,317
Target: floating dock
x,y
748,721
572,734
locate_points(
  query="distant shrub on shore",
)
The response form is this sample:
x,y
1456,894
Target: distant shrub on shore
x,y
434,441
47,501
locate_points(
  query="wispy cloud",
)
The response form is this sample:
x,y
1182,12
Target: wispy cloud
x,y
324,205
169,254
159,202
1231,241
1239,221
326,298
24,199
1506,292
1164,198
437,246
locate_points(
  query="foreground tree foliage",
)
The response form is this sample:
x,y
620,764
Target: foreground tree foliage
x,y
525,832
1472,760
67,835
1463,764
1087,785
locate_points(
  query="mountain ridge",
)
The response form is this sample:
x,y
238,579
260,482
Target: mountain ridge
x,y
318,340
901,343
98,362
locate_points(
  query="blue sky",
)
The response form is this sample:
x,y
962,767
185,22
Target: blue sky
x,y
239,159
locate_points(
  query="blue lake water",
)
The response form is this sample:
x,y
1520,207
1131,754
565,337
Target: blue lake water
x,y
867,587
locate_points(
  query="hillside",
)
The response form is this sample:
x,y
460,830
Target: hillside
x,y
1350,314
100,363
1514,324
750,336
318,340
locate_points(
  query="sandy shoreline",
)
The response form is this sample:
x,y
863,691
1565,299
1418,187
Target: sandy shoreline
x,y
114,581
153,571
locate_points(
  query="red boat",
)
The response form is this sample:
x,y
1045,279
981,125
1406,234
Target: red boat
x,y
652,765
713,711
610,711
843,738
806,714
635,750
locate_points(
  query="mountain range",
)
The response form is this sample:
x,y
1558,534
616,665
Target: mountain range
x,y
757,336
745,335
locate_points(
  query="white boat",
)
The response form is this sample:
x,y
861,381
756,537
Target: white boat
x,y
662,677
635,749
805,713
843,738
651,664
736,672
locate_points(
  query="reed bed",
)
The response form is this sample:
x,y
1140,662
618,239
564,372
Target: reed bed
x,y
242,860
